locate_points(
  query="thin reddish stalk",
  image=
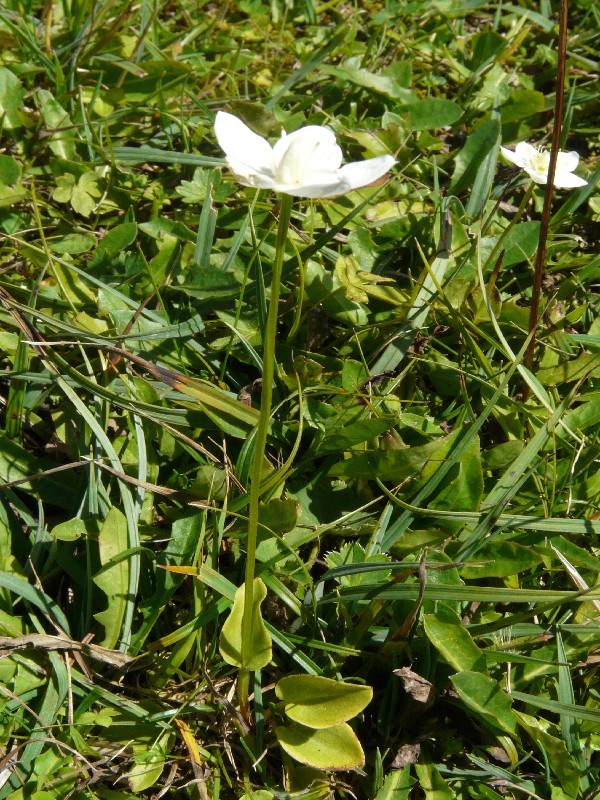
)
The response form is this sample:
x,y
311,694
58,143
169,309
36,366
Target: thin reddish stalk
x,y
540,259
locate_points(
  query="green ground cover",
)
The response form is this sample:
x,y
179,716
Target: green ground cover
x,y
429,517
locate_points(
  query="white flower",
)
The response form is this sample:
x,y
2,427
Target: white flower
x,y
536,162
306,163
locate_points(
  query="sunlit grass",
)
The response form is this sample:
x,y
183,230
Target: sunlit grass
x,y
429,516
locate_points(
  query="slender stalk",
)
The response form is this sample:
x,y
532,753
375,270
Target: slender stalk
x,y
260,443
545,221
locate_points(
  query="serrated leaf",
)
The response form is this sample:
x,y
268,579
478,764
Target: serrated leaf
x,y
85,194
64,188
359,285
319,702
230,640
329,748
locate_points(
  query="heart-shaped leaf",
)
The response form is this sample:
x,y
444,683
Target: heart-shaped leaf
x,y
330,748
321,702
230,641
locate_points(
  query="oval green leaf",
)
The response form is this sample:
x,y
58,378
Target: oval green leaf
x,y
330,748
230,641
450,637
486,699
321,702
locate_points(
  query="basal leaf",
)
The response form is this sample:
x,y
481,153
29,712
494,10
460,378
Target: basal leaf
x,y
113,577
432,783
329,748
500,559
486,699
319,702
230,640
448,635
432,113
11,99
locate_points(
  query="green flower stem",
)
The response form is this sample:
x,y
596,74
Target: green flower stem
x,y
260,442
515,221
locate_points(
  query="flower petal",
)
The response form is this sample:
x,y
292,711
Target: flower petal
x,y
248,154
307,151
523,155
568,180
318,184
362,173
567,161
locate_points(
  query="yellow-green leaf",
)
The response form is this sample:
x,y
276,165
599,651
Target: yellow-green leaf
x,y
447,634
230,641
113,578
319,702
329,748
486,699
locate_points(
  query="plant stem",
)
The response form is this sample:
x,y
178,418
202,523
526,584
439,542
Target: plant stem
x,y
545,221
260,442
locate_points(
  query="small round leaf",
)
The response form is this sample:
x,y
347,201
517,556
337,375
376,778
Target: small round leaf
x,y
321,702
331,748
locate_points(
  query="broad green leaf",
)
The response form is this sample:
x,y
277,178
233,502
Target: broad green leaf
x,y
469,160
148,763
73,529
11,99
319,702
17,463
60,126
396,465
116,240
230,640
432,113
329,748
113,577
10,170
521,104
464,488
584,416
561,762
500,456
587,364
486,699
210,283
518,245
432,783
397,785
64,188
486,45
448,635
73,243
382,84
500,559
